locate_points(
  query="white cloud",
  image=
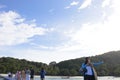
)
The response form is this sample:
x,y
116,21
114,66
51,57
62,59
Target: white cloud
x,y
74,3
85,4
106,3
99,37
45,56
67,7
14,30
94,38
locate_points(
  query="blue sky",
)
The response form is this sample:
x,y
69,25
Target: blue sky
x,y
57,30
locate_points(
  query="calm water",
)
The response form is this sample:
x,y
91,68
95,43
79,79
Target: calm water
x,y
77,78
73,78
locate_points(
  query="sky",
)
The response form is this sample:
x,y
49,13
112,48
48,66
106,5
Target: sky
x,y
58,30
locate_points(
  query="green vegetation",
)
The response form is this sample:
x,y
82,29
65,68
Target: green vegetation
x,y
110,67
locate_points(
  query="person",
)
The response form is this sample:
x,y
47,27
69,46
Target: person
x,y
31,73
27,71
19,75
42,74
23,75
9,77
16,76
87,69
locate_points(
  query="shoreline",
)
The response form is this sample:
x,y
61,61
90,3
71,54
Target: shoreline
x,y
4,75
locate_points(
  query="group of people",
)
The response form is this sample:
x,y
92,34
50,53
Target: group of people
x,y
87,69
27,74
23,75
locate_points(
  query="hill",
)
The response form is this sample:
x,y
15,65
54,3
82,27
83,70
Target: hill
x,y
110,67
8,64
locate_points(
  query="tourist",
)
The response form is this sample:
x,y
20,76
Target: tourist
x,y
88,69
31,73
23,75
27,71
42,74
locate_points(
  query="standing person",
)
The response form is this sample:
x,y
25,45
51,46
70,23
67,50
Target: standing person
x,y
42,74
19,75
9,77
23,75
27,74
16,75
31,73
88,69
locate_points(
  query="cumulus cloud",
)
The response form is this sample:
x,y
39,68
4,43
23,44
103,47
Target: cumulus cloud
x,y
15,30
85,4
101,36
106,3
74,3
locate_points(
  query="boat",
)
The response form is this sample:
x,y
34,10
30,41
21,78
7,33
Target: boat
x,y
65,77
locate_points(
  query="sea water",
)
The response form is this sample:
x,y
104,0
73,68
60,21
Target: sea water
x,y
71,78
76,78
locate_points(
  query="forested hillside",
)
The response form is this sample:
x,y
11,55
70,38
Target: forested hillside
x,y
8,64
110,67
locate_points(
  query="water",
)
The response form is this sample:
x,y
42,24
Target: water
x,y
76,78
73,78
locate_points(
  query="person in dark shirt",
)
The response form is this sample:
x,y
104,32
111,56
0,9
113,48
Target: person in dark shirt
x,y
31,73
42,74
